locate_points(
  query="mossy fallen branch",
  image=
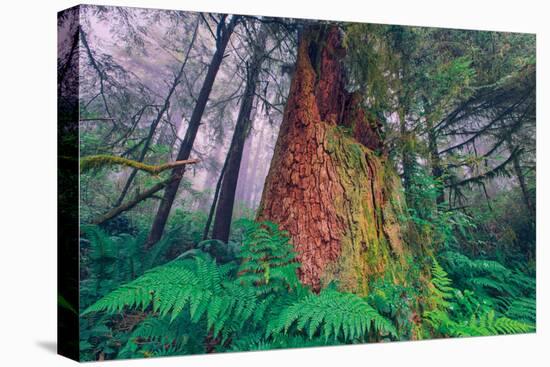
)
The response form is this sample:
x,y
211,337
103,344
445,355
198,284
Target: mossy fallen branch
x,y
132,203
103,160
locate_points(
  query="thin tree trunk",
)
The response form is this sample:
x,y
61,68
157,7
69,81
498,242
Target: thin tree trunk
x,y
224,32
522,184
215,200
435,162
132,203
224,208
253,177
210,180
407,157
243,183
156,121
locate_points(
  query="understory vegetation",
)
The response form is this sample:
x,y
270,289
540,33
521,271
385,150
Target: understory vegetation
x,y
207,296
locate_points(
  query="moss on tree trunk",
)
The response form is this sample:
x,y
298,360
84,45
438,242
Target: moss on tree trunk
x,y
330,184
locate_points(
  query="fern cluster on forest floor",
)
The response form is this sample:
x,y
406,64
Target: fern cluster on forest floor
x,y
246,295
471,293
467,313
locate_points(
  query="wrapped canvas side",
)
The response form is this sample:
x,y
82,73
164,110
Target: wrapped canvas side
x,y
67,175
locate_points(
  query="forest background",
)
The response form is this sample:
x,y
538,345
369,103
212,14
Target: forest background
x,y
432,23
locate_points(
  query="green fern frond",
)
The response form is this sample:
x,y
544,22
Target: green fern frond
x,y
442,291
488,283
490,324
102,246
332,314
488,276
196,284
268,260
523,309
259,342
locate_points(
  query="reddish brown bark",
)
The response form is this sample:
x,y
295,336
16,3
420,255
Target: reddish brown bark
x,y
365,130
327,188
330,94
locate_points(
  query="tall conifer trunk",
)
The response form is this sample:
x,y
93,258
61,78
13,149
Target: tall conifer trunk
x,y
522,182
330,184
226,202
435,163
223,33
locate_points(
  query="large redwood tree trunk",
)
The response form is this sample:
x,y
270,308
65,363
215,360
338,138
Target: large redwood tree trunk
x,y
330,184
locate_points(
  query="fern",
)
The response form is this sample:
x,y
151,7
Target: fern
x,y
252,299
488,277
159,336
258,341
332,314
196,285
102,246
447,319
268,260
442,292
523,309
100,257
488,283
489,324
238,298
113,260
